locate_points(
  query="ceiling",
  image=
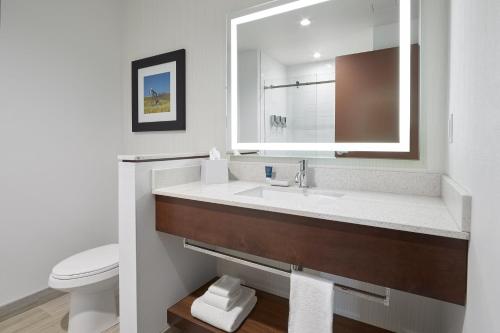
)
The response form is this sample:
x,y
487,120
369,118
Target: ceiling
x,y
337,27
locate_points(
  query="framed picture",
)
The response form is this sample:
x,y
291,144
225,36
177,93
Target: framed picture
x,y
159,92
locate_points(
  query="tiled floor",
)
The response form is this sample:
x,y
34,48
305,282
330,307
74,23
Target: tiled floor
x,y
51,317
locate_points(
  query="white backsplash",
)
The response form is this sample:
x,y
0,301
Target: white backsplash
x,y
175,175
375,180
459,202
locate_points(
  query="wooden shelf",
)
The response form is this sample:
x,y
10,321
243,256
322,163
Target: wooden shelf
x,y
270,315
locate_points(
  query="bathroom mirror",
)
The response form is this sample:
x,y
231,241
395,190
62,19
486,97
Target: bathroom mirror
x,y
325,75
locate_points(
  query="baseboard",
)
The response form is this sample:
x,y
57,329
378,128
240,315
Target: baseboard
x,y
172,330
26,303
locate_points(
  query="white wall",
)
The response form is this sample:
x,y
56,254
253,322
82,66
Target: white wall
x,y
155,26
248,96
273,101
312,108
59,135
474,155
387,35
156,271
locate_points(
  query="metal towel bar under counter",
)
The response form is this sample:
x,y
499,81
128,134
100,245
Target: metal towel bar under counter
x,y
383,299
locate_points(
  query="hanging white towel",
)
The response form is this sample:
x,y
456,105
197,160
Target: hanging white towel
x,y
228,321
221,302
226,286
311,304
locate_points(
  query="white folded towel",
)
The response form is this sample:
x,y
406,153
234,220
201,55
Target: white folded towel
x,y
311,304
226,286
221,302
228,321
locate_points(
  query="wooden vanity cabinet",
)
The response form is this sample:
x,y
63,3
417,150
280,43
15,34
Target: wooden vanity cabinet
x,y
421,264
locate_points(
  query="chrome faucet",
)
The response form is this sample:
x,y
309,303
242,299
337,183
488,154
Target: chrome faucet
x,y
301,176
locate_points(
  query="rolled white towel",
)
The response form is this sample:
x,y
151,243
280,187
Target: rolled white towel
x,y
228,321
226,286
221,302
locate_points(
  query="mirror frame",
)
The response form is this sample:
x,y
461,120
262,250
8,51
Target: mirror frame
x,y
279,7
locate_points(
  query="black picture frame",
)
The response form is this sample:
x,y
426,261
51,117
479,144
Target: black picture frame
x,y
179,56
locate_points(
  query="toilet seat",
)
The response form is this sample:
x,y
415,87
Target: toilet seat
x,y
86,268
87,263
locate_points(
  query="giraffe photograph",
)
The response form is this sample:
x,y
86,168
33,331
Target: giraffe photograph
x,y
157,93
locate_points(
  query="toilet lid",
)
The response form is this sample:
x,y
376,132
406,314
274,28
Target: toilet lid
x,y
87,263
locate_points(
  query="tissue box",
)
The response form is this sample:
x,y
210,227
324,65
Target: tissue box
x,y
214,171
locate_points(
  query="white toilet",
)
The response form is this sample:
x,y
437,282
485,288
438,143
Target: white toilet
x,y
91,278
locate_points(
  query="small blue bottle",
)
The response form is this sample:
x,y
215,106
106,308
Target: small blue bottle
x,y
269,173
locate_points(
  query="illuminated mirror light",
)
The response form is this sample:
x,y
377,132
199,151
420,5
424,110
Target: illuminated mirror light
x,y
404,86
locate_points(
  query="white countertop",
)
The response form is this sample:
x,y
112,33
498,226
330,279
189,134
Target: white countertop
x,y
419,214
147,157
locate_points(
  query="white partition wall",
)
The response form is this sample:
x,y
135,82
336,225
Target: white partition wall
x,y
155,270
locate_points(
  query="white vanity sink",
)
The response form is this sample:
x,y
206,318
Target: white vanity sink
x,y
292,195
